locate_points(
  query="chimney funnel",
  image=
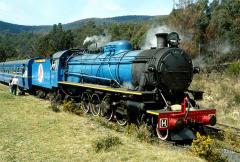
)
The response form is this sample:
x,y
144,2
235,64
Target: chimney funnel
x,y
162,40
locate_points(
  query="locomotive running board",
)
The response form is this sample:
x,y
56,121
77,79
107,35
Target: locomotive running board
x,y
104,88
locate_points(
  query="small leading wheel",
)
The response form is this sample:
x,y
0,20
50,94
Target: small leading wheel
x,y
121,119
84,105
163,134
95,105
106,110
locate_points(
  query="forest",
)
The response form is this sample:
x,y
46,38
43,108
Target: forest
x,y
209,30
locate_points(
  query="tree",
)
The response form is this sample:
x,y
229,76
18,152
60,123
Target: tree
x,y
2,54
223,30
191,21
56,40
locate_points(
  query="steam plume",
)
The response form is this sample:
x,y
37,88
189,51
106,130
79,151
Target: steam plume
x,y
100,40
151,40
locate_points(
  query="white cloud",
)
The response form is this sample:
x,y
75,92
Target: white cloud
x,y
4,9
104,6
40,12
96,8
112,7
9,13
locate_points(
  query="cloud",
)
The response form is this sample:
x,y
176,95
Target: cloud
x,y
113,7
40,12
104,5
4,9
9,13
96,8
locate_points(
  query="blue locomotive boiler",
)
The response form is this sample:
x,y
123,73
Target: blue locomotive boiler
x,y
112,66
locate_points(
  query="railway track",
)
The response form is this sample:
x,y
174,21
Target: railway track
x,y
227,135
227,127
222,128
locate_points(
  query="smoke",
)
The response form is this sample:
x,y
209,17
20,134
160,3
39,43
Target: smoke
x,y
225,48
128,85
216,50
99,40
221,48
219,2
151,40
199,62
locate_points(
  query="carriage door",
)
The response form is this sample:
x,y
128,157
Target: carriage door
x,y
54,72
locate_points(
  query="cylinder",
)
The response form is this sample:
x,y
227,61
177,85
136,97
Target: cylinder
x,y
135,105
162,40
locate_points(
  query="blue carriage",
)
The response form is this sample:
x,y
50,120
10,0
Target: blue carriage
x,y
21,69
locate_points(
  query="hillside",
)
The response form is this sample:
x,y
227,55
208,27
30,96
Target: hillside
x,y
15,28
29,131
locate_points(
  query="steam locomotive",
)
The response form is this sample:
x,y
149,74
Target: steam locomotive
x,y
122,84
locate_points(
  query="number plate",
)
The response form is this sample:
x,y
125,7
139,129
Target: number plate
x,y
163,123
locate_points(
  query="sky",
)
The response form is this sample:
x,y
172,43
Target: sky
x,y
48,12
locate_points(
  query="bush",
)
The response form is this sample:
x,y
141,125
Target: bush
x,y
144,134
236,98
131,130
206,148
108,124
69,106
141,133
106,143
54,107
234,69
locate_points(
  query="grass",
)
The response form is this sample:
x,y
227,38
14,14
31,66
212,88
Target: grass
x,y
106,143
221,92
141,133
105,123
30,131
